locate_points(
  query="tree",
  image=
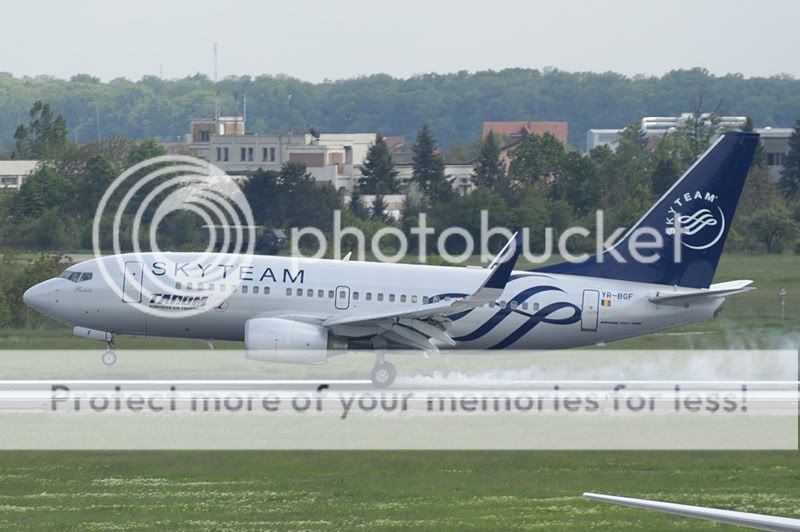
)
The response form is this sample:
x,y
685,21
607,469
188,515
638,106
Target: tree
x,y
535,158
773,227
43,190
577,183
379,207
93,181
378,173
428,168
357,206
663,176
790,177
488,170
45,136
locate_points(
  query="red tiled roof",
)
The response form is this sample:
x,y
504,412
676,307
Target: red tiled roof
x,y
522,128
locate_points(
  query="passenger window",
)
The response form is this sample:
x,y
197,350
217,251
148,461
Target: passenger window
x,y
244,289
413,299
355,296
177,286
200,286
492,304
402,298
525,306
255,289
211,286
369,296
320,293
288,291
299,291
503,304
221,287
391,298
536,306
310,292
266,290
514,305
380,296
424,300
342,294
330,294
188,286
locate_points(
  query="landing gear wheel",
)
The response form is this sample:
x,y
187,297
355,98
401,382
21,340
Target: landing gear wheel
x,y
383,374
109,357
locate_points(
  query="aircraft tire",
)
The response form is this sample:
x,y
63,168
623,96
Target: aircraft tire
x,y
383,375
109,357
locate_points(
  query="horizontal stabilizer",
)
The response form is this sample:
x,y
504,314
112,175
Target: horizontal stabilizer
x,y
683,296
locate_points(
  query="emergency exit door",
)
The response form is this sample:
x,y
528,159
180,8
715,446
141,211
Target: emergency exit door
x,y
590,310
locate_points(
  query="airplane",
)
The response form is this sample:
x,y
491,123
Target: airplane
x,y
303,310
730,517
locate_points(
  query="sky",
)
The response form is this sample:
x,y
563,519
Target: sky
x,y
316,40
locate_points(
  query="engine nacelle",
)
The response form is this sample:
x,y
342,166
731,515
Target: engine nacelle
x,y
280,340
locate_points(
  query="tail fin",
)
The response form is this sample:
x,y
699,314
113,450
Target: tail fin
x,y
704,199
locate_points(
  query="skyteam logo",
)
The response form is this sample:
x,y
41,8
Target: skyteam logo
x,y
701,220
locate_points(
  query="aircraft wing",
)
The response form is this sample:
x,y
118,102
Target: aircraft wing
x,y
759,521
681,297
416,325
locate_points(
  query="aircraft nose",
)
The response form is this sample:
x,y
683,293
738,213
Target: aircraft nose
x,y
38,296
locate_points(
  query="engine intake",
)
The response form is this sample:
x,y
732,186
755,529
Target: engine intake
x,y
280,340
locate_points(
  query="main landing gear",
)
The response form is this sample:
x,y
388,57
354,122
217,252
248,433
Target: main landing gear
x,y
383,374
109,358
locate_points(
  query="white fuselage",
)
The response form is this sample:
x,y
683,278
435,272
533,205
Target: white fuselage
x,y
536,310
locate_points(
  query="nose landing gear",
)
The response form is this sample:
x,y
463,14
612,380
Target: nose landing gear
x,y
109,358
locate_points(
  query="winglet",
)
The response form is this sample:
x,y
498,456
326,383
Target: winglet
x,y
504,263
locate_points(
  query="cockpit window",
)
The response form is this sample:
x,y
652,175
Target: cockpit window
x,y
76,277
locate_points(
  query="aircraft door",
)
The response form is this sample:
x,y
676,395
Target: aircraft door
x,y
132,282
342,299
590,312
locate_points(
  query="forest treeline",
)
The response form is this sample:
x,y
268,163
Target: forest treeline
x,y
453,105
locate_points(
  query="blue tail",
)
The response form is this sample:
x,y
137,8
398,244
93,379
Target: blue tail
x,y
704,199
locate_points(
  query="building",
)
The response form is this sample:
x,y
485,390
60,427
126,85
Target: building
x,y
775,141
332,158
655,127
13,173
518,130
459,174
602,137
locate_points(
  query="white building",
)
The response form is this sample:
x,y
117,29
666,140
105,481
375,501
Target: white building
x,y
332,158
14,172
656,127
602,137
775,141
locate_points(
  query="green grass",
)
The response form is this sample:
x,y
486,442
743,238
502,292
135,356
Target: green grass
x,y
382,490
424,490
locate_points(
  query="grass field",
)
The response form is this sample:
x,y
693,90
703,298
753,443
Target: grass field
x,y
381,490
421,490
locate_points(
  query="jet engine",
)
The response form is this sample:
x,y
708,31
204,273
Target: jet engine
x,y
281,340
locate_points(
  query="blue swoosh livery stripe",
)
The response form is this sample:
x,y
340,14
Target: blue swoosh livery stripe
x,y
502,314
